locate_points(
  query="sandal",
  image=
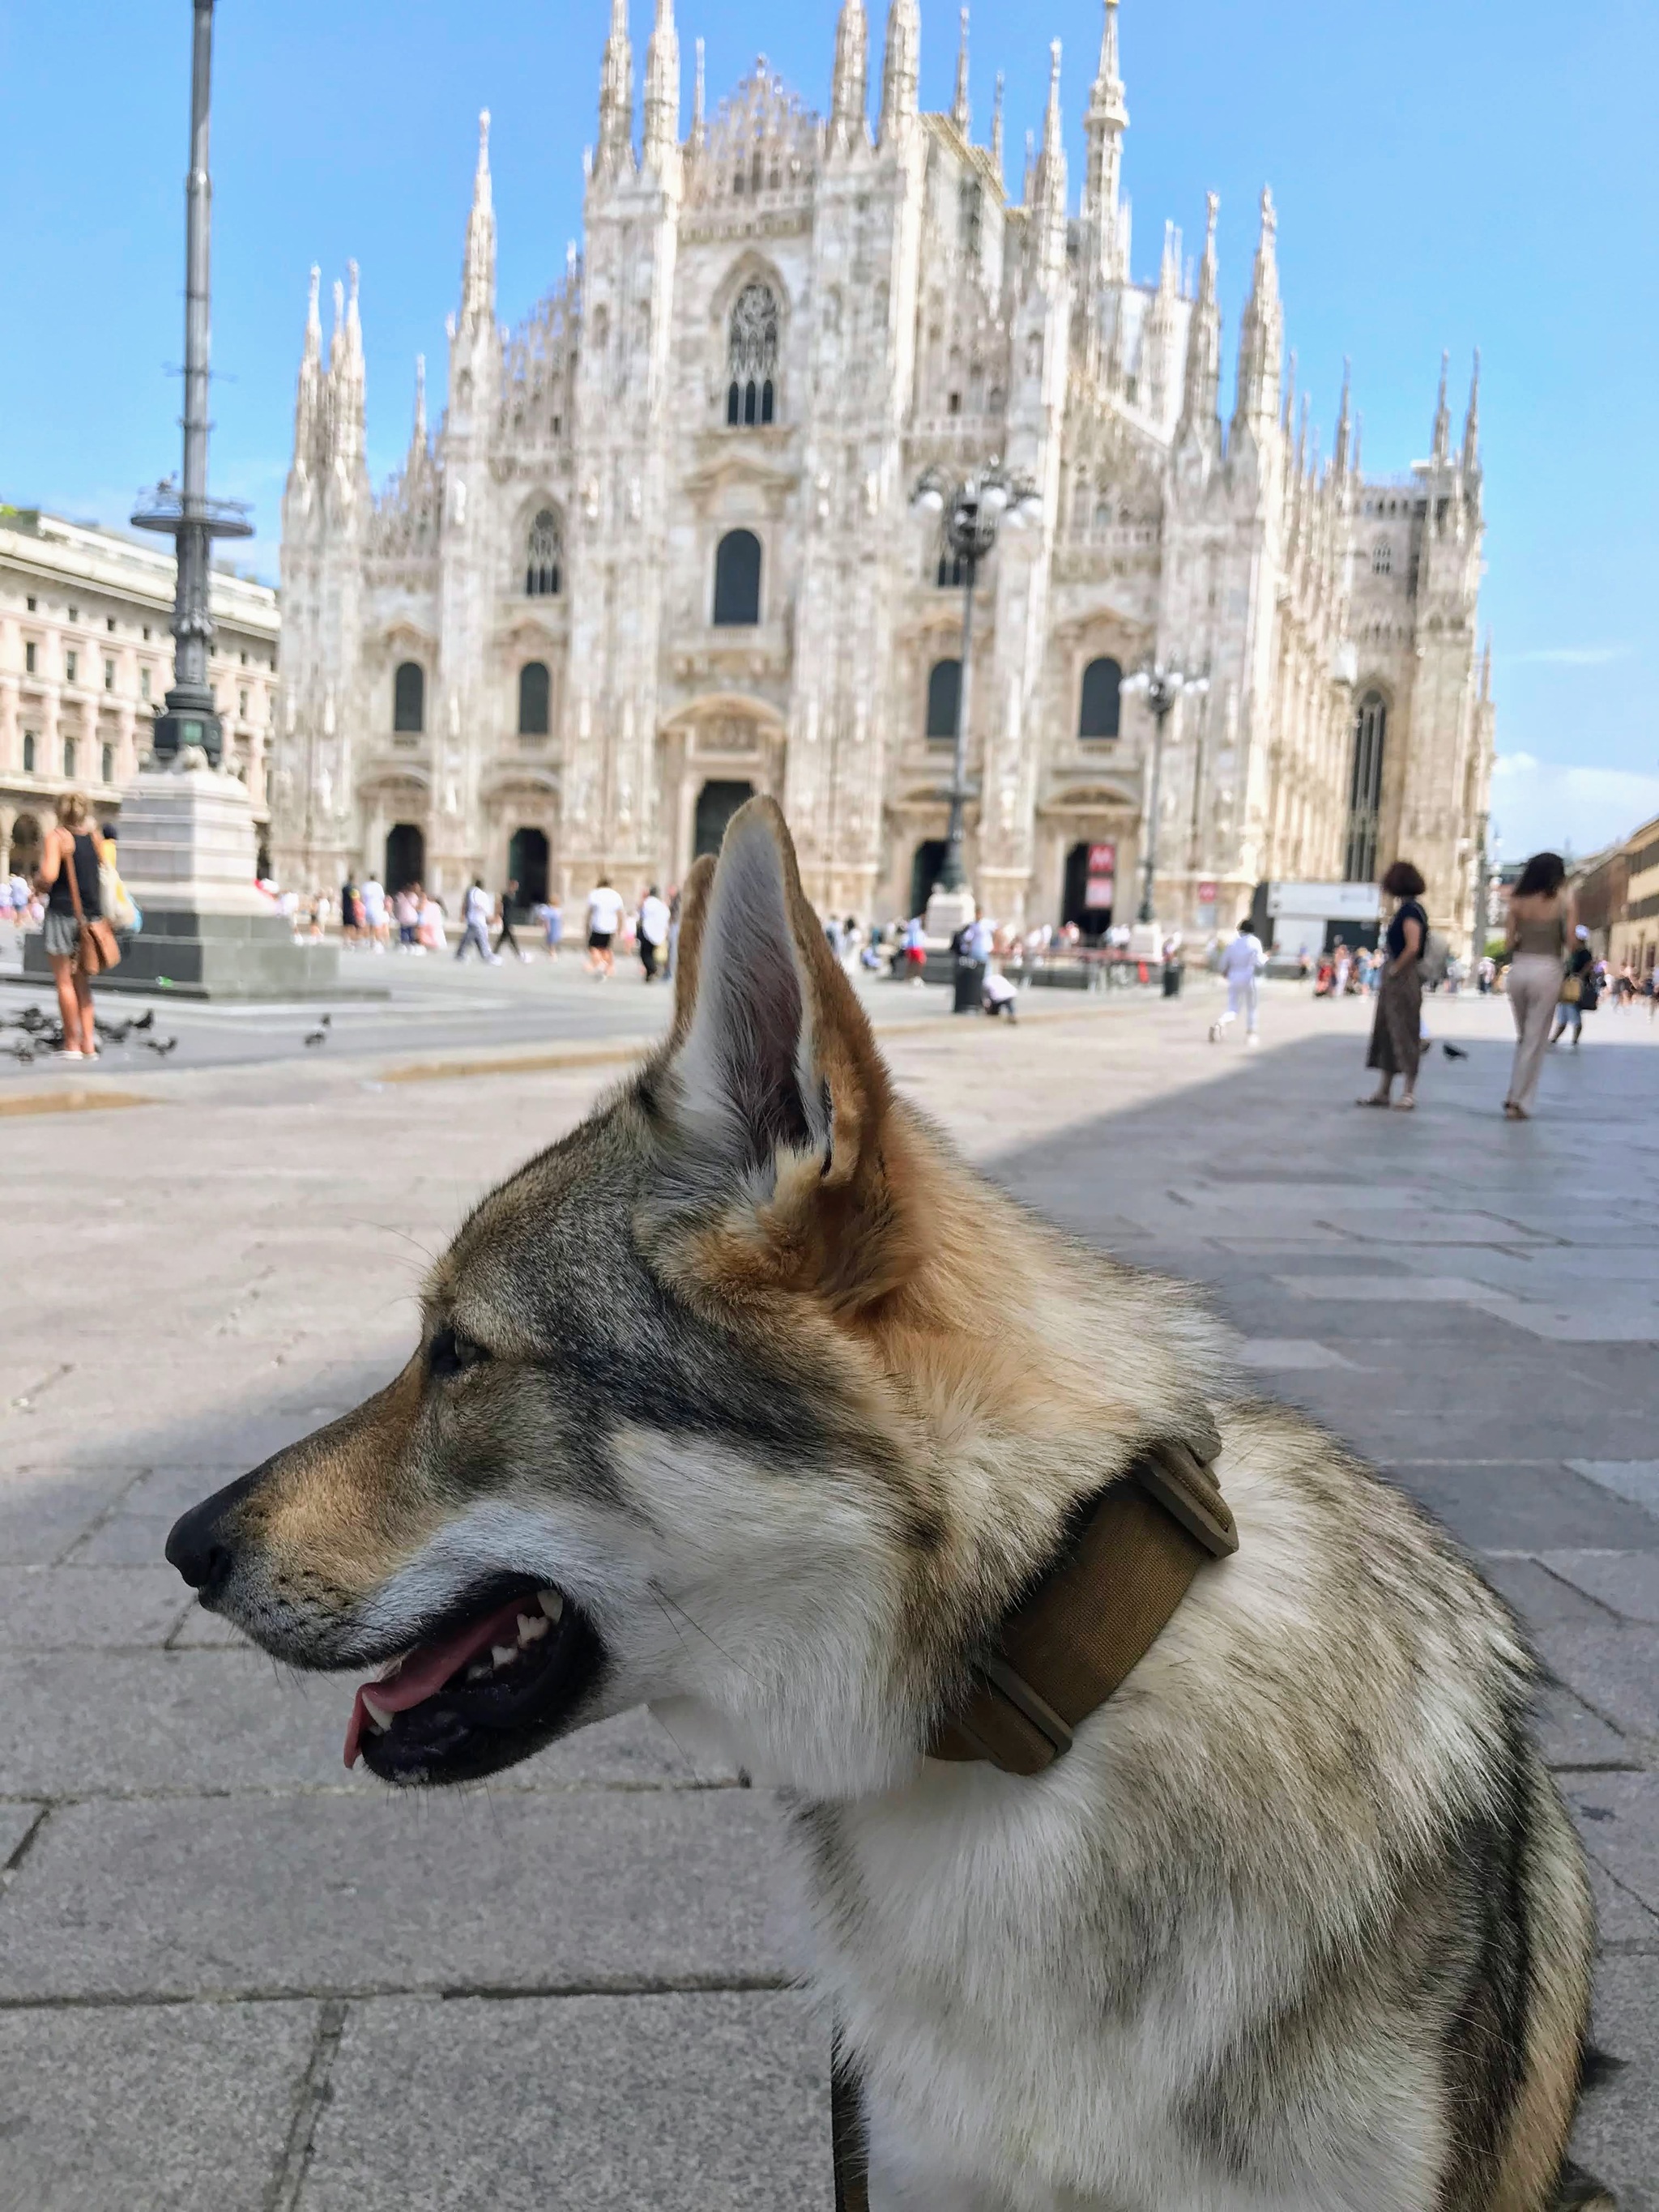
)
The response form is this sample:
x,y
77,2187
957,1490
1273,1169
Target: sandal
x,y
1372,1100
1406,1105
1514,1113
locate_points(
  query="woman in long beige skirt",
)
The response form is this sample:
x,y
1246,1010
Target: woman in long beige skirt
x,y
1397,1030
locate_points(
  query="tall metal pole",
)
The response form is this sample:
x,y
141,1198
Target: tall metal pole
x,y
1160,703
187,514
953,875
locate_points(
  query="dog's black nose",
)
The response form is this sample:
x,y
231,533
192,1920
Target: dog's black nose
x,y
198,1543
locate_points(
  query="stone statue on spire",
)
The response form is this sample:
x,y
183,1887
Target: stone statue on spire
x,y
615,153
662,91
1261,334
849,90
478,262
901,67
961,112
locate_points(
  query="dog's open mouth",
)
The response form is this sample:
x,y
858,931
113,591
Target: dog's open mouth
x,y
479,1697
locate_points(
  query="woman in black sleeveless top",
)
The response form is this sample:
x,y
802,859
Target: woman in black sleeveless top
x,y
72,843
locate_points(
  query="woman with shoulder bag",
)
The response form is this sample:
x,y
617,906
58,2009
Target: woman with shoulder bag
x,y
79,942
1578,992
1397,1027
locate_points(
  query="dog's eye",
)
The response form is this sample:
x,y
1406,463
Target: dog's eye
x,y
450,1352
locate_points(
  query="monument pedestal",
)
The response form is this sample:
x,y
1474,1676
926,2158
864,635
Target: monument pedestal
x,y
948,912
187,859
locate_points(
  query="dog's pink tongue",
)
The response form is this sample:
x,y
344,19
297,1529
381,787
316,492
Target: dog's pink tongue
x,y
430,1666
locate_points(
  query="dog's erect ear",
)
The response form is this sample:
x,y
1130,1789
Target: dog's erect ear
x,y
777,1099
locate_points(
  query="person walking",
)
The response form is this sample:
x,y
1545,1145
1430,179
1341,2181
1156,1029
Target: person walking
x,y
1543,918
475,923
68,874
509,893
1397,1030
604,914
1579,995
373,895
654,932
1242,962
912,943
553,925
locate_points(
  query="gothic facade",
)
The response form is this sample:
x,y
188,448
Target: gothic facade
x,y
663,548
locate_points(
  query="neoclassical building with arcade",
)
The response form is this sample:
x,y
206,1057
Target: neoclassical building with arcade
x,y
661,550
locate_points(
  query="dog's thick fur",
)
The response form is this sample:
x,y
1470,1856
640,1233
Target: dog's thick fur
x,y
790,1404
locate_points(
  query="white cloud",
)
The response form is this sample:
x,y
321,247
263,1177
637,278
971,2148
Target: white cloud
x,y
1569,656
1538,804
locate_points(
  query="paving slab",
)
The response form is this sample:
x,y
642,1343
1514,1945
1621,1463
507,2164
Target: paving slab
x,y
1618,1816
17,1818
335,1895
1570,1736
678,2103
1542,1598
101,1608
1617,2137
1615,1670
183,2108
1626,1583
1493,1505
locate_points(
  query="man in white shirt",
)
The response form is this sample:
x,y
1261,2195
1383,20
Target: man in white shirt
x,y
654,932
373,895
604,910
1242,962
475,920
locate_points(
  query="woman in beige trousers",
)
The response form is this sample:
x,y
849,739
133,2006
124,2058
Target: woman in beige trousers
x,y
1542,917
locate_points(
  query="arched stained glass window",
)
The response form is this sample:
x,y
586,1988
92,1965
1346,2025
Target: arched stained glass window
x,y
1370,730
737,579
944,694
409,696
535,699
751,356
541,572
1101,706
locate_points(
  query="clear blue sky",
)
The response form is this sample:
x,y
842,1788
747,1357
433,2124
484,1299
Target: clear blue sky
x,y
1447,175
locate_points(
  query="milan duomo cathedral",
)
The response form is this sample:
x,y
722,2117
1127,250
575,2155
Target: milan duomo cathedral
x,y
663,549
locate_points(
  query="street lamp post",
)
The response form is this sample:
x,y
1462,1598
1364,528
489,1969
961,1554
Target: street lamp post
x,y
183,511
974,509
1161,688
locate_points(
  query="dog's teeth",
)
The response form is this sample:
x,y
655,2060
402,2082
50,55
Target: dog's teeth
x,y
532,1628
503,1653
379,1714
551,1603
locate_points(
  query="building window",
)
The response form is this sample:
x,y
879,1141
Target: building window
x,y
541,574
74,614
30,656
243,658
143,683
109,675
409,696
71,665
1101,706
30,602
535,699
737,579
952,572
29,752
241,702
751,356
944,698
68,758
109,625
1382,558
146,633
1370,729
108,763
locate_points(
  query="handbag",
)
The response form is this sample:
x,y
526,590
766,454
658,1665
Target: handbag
x,y
114,897
97,950
1570,991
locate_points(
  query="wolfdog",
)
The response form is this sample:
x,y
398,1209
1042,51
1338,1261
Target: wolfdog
x,y
1299,1921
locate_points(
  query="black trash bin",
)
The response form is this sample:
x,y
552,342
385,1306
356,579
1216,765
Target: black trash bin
x,y
970,986
1173,972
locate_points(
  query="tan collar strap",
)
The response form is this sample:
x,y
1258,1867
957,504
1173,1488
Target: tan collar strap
x,y
1094,1615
